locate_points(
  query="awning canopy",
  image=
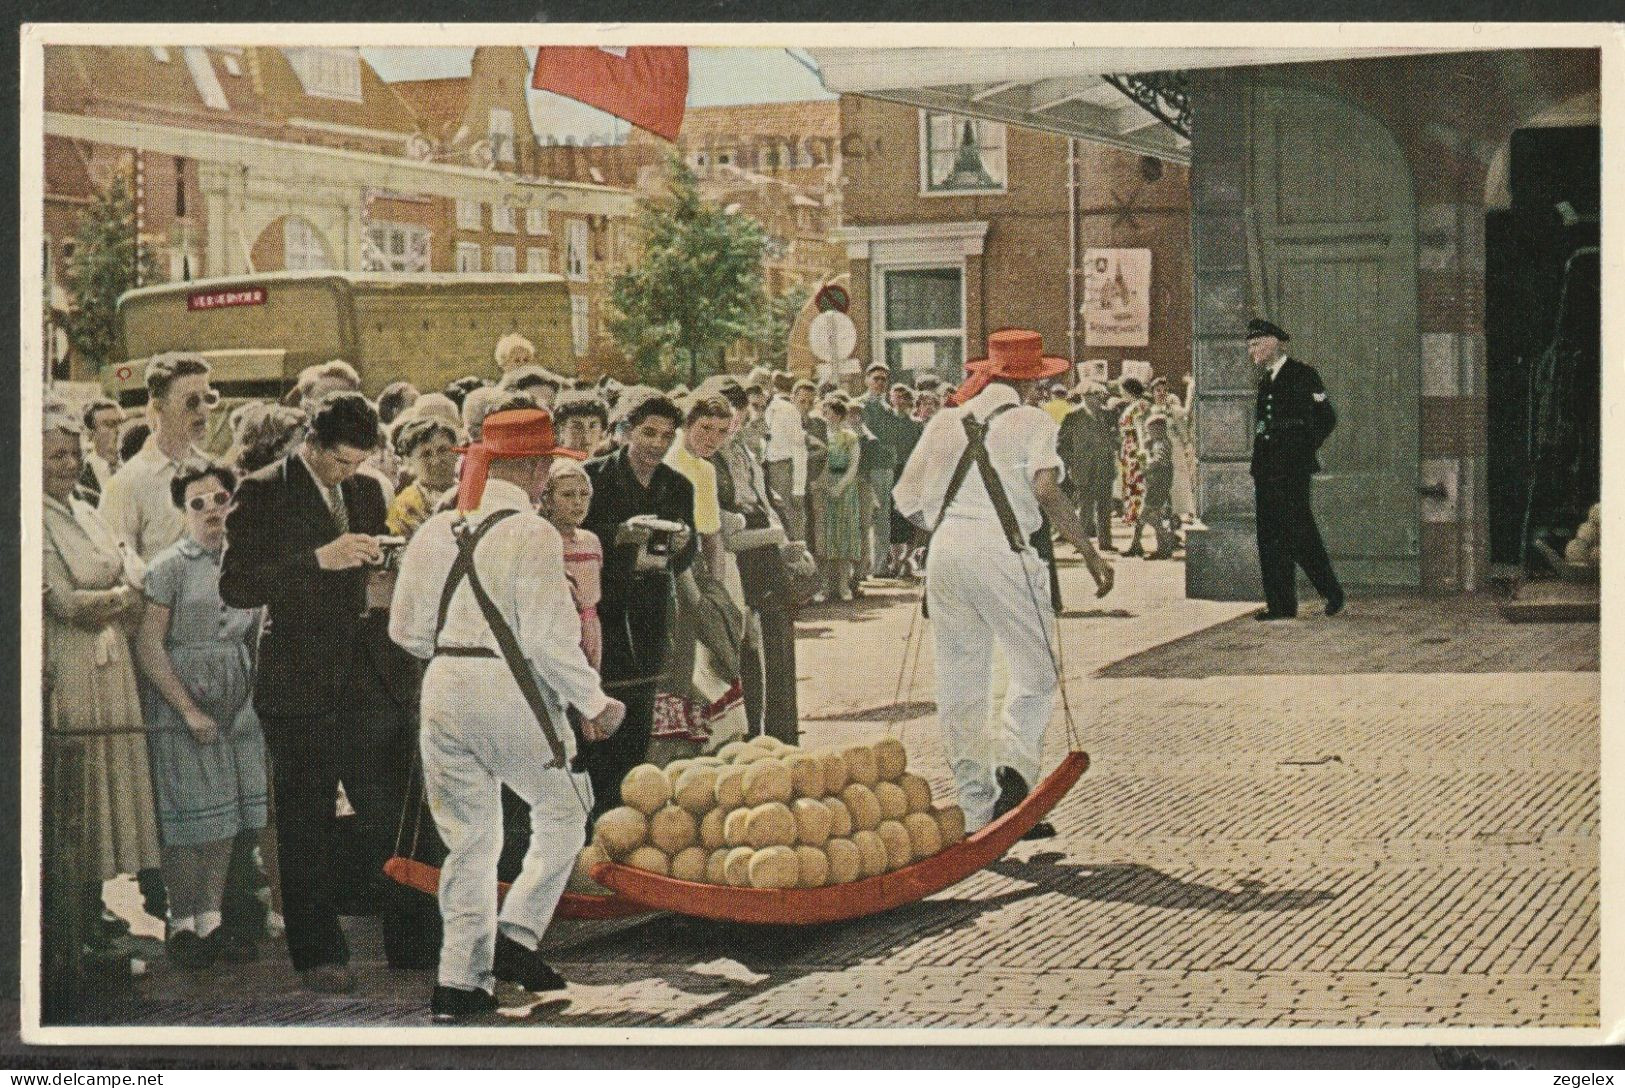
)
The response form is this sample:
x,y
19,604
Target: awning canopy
x,y
1065,91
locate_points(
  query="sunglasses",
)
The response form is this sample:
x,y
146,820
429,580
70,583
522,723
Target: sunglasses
x,y
202,400
205,502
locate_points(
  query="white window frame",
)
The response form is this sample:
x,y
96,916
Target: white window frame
x,y
302,242
925,157
536,220
234,67
538,260
580,325
326,72
378,254
470,257
203,77
578,250
504,255
503,220
159,53
469,215
499,130
883,334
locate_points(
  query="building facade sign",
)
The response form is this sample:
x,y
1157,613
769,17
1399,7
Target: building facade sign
x,y
1117,298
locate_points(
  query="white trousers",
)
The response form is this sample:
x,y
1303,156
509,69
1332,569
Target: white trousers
x,y
478,735
982,595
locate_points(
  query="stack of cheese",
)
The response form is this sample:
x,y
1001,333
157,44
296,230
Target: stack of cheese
x,y
764,814
1586,547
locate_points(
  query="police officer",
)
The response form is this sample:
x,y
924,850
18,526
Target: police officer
x,y
1292,420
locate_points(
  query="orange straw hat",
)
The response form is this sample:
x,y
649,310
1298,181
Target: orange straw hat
x,y
506,436
1015,354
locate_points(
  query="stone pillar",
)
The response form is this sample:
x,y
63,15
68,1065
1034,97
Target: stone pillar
x,y
1221,552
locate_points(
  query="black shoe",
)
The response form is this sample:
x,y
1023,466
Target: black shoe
x,y
186,949
1012,791
1334,605
1135,550
234,947
524,967
1106,549
1266,616
450,1003
1041,830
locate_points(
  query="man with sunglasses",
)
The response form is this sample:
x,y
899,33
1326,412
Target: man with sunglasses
x,y
135,502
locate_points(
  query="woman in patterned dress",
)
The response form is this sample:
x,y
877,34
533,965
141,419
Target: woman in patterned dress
x,y
1131,457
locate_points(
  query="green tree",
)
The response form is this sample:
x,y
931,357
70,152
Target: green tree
x,y
773,339
697,288
106,255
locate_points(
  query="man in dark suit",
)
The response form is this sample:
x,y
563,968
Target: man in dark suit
x,y
1292,420
634,482
1088,446
337,698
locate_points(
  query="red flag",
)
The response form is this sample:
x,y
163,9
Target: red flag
x,y
644,84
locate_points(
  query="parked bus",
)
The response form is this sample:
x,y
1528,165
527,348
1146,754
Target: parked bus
x,y
260,331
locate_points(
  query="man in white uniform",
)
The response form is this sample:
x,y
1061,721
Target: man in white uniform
x,y
984,581
786,456
479,587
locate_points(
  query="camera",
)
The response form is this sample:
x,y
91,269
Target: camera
x,y
390,549
656,540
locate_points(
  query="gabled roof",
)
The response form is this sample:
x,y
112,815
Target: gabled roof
x,y
439,104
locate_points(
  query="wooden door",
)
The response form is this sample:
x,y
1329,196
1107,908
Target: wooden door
x,y
1334,227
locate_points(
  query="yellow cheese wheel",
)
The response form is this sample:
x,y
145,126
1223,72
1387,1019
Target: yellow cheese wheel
x,y
860,765
620,831
918,792
581,876
924,835
861,803
673,829
712,835
650,859
774,867
736,866
806,775
751,754
715,867
689,864
771,824
767,779
812,867
730,787
840,819
731,749
899,847
832,768
696,789
1587,532
708,761
1594,515
891,758
951,819
893,801
845,860
733,827
674,770
812,821
645,788
769,744
871,853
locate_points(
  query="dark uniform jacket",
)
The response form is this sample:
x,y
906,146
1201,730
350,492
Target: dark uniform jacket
x,y
315,634
634,606
1088,447
1290,424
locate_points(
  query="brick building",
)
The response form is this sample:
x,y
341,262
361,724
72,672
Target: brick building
x,y
261,159
957,226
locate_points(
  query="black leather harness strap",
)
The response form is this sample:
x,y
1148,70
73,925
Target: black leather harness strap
x,y
976,454
462,569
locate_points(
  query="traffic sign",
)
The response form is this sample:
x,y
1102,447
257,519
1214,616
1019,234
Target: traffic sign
x,y
832,296
832,336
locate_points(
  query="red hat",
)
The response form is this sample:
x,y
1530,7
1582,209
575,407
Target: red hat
x,y
1016,354
506,436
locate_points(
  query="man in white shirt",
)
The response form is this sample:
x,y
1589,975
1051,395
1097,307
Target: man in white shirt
x,y
985,584
786,456
136,503
480,728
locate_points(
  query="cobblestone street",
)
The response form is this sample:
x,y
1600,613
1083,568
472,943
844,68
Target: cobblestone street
x,y
1284,825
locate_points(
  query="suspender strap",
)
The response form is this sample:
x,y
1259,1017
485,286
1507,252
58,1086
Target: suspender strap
x,y
976,454
463,568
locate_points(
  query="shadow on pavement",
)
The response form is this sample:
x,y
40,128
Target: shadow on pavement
x,y
1146,887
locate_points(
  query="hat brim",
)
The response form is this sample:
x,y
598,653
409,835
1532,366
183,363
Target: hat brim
x,y
520,455
1048,367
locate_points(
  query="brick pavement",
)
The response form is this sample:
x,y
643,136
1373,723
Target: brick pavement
x,y
1360,848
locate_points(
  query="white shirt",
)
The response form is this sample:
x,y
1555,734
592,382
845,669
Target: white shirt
x,y
136,503
787,440
1275,367
1021,442
99,466
521,565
